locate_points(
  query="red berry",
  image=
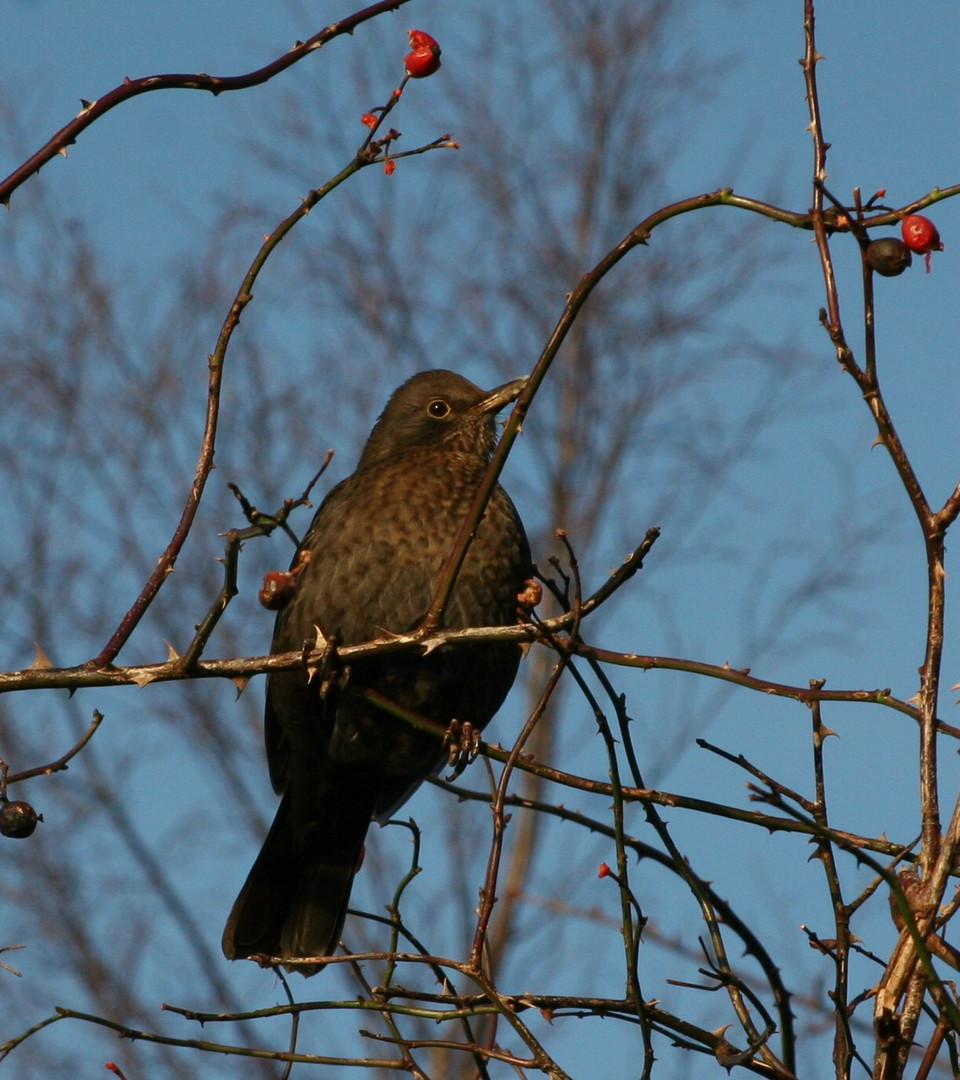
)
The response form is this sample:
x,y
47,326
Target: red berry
x,y
18,820
279,585
424,59
389,166
369,119
920,234
421,40
529,596
277,589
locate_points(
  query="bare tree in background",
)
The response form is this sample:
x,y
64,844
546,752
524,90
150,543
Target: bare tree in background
x,y
105,896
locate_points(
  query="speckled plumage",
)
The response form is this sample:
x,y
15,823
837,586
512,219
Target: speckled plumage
x,y
377,545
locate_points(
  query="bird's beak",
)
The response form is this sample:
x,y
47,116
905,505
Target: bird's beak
x,y
503,395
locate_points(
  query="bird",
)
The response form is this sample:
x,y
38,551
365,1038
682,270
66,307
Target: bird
x,y
368,567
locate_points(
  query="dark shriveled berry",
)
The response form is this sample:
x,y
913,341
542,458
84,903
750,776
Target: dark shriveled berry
x,y
18,820
888,256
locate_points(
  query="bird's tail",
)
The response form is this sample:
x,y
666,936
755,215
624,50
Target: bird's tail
x,y
295,898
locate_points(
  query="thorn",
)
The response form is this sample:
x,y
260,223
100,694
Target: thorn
x,y
41,661
172,653
320,643
142,678
240,682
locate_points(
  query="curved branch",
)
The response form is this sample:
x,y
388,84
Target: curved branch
x,y
214,84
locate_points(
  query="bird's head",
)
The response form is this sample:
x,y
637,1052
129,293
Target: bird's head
x,y
439,408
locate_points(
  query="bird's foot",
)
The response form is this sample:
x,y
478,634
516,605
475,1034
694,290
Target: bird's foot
x,y
462,743
324,668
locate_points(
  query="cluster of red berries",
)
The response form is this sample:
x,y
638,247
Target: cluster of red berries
x,y
422,60
889,256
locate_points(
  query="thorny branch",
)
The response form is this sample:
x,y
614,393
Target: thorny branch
x,y
214,84
368,154
898,1001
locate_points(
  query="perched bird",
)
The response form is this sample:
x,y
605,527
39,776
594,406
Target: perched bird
x,y
376,547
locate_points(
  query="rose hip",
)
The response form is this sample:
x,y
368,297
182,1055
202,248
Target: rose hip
x,y
424,58
920,235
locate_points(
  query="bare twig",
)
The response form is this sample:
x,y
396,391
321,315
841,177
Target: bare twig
x,y
54,766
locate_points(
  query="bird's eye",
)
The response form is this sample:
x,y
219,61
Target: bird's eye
x,y
438,408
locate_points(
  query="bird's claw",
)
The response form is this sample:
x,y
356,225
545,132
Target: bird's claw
x,y
325,668
462,743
